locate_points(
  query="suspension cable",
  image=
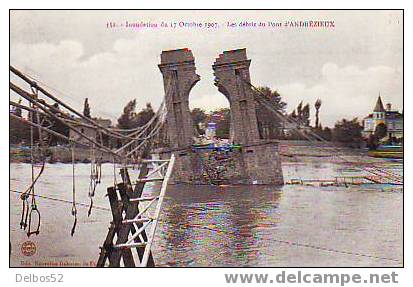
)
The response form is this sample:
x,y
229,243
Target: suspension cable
x,y
64,201
47,94
115,132
74,210
28,97
265,103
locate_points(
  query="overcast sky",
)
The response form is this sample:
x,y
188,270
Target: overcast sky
x,y
346,67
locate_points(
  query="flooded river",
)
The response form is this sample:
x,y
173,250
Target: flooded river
x,y
291,225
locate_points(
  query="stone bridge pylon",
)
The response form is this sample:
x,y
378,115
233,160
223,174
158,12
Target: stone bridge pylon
x,y
231,70
179,77
257,161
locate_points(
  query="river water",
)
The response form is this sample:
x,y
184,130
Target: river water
x,y
291,225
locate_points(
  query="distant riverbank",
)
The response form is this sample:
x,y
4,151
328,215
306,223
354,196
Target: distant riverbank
x,y
288,149
60,154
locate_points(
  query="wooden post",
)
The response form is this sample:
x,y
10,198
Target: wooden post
x,y
107,247
125,200
131,210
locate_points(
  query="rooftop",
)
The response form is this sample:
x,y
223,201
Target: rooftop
x,y
379,108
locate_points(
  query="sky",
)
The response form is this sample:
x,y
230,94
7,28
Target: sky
x,y
347,66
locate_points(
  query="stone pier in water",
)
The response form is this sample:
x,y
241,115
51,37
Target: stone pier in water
x,y
252,160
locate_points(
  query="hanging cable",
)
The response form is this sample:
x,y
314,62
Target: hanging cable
x,y
25,210
74,210
115,184
25,195
92,179
370,168
65,201
30,211
114,132
34,212
95,171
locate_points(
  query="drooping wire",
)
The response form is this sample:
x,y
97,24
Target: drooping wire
x,y
92,184
25,195
95,176
370,168
138,137
115,183
28,213
114,132
65,201
74,210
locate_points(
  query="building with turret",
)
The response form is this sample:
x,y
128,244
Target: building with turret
x,y
391,118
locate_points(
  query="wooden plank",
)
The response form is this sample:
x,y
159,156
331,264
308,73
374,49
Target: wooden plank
x,y
117,209
132,209
106,249
131,212
125,200
137,192
107,245
168,173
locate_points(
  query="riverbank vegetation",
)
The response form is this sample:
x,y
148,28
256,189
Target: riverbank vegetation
x,y
270,126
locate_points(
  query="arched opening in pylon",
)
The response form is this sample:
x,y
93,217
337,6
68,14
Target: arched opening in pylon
x,y
210,112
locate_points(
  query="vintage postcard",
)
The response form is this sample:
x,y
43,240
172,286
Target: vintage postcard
x,y
207,138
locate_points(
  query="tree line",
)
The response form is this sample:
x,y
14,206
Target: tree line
x,y
20,133
269,125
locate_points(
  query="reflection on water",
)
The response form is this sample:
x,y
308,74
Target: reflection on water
x,y
216,225
226,226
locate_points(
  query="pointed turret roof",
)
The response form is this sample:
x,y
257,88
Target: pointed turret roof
x,y
379,108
